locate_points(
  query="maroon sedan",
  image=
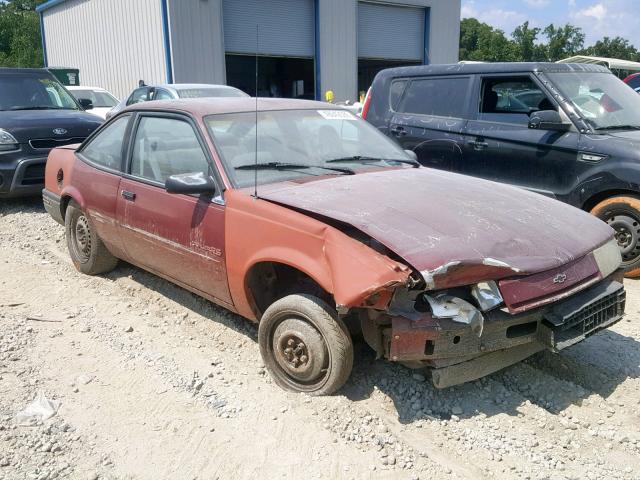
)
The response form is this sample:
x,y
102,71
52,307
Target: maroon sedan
x,y
315,225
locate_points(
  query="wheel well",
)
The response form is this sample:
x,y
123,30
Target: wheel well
x,y
64,203
267,282
599,197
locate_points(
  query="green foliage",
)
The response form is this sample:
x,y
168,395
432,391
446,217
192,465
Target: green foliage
x,y
481,42
20,44
616,47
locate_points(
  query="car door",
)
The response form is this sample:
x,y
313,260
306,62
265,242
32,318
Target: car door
x,y
98,174
180,237
430,117
501,146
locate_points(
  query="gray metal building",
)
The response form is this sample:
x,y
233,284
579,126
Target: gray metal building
x,y
306,47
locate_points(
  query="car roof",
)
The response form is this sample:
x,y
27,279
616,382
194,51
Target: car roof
x,y
85,87
187,86
201,107
24,70
493,67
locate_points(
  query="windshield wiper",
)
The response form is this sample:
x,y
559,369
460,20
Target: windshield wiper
x,y
619,127
364,159
290,166
37,107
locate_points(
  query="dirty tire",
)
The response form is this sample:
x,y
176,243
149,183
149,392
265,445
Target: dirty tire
x,y
305,346
622,213
88,253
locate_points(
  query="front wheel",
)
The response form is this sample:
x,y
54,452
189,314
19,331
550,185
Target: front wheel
x,y
622,213
305,346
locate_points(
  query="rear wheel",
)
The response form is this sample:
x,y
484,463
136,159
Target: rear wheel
x,y
305,346
622,213
88,253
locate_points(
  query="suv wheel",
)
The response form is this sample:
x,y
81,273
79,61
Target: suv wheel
x,y
623,215
305,346
88,253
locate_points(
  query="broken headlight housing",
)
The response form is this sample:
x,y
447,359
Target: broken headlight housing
x,y
487,295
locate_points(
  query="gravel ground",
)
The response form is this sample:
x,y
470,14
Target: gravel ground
x,y
156,383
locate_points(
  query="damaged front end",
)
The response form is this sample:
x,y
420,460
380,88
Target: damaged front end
x,y
466,320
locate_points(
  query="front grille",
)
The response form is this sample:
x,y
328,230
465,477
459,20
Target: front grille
x,y
33,174
49,143
601,313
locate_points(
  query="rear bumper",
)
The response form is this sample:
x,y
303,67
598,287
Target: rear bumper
x,y
21,176
457,355
52,205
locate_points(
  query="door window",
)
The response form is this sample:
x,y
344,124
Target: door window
x,y
512,99
139,95
105,148
165,147
443,97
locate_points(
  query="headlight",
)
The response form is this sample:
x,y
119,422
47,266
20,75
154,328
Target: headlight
x,y
7,141
608,257
487,295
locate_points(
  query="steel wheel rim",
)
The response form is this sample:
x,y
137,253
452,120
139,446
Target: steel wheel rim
x,y
627,233
81,234
311,372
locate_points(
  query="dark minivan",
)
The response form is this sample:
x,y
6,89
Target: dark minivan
x,y
568,131
36,114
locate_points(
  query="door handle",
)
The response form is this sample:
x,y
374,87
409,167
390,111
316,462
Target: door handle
x,y
128,195
398,131
478,144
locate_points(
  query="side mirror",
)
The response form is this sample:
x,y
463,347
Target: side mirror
x,y
412,154
548,120
85,103
190,183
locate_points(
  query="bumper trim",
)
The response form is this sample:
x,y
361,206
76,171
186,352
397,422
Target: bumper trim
x,y
51,203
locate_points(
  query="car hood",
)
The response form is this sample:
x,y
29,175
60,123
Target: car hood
x,y
435,219
26,125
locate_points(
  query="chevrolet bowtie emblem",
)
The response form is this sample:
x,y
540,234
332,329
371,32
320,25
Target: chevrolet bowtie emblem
x,y
560,278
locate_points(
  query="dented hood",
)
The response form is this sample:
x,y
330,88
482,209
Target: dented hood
x,y
437,220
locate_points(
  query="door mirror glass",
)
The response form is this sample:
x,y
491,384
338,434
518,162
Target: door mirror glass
x,y
86,103
548,120
190,183
412,154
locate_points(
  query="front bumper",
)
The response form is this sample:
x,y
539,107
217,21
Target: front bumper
x,y
21,174
457,355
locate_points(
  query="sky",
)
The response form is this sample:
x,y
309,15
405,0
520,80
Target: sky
x,y
597,18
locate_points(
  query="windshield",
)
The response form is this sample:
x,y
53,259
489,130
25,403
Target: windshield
x,y
307,142
601,99
98,98
32,92
210,92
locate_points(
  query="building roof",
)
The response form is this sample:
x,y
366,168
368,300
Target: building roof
x,y
47,5
612,63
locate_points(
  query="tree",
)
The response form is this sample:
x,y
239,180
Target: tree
x,y
482,42
616,47
20,41
563,42
526,48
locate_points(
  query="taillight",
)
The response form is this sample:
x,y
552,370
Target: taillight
x,y
367,102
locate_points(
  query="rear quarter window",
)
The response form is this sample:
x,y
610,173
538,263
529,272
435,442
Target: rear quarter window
x,y
443,97
395,93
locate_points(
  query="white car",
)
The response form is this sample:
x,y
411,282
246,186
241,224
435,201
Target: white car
x,y
102,100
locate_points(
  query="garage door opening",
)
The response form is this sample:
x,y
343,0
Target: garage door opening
x,y
277,76
369,68
390,36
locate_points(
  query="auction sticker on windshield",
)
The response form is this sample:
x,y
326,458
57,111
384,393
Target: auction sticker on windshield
x,y
336,115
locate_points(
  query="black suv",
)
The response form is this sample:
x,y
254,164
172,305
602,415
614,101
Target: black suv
x,y
568,131
36,114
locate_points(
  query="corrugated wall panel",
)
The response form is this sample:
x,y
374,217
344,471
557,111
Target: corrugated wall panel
x,y
390,32
114,43
197,43
287,27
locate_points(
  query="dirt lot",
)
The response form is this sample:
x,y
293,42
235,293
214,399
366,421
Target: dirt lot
x,y
156,383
